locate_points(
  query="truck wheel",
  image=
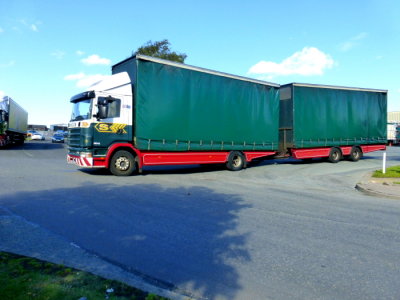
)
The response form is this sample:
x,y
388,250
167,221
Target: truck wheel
x,y
335,155
236,161
122,163
355,154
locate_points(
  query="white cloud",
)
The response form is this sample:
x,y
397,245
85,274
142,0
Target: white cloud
x,y
58,54
309,61
83,80
2,94
74,76
79,52
26,24
95,60
8,64
352,42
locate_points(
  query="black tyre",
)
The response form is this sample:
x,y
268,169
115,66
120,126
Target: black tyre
x,y
307,160
236,161
355,154
123,163
335,155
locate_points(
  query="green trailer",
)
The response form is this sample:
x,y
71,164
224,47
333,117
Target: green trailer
x,y
318,119
179,107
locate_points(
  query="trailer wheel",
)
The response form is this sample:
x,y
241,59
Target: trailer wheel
x,y
335,155
123,163
355,154
236,161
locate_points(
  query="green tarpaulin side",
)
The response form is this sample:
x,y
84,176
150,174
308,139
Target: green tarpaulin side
x,y
178,109
332,117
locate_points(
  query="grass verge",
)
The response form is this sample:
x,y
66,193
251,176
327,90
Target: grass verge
x,y
391,172
28,278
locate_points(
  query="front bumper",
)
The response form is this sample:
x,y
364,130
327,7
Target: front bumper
x,y
81,161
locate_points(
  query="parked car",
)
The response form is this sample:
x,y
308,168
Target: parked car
x,y
30,132
57,138
37,136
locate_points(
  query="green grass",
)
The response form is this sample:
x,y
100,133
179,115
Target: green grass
x,y
391,172
28,278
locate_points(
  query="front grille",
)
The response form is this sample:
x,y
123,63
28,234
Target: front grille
x,y
74,137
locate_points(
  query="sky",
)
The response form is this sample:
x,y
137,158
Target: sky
x,y
52,50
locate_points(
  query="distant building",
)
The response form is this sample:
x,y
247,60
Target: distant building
x,y
55,127
37,127
393,117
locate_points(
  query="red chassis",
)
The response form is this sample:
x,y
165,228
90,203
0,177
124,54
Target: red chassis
x,y
151,158
324,152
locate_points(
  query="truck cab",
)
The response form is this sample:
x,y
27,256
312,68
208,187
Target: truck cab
x,y
100,117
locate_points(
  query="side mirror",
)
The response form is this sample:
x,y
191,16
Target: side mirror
x,y
102,105
102,111
103,101
3,115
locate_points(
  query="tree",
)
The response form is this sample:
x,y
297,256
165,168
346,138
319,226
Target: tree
x,y
160,49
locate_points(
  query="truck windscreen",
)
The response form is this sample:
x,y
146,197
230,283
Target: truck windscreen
x,y
81,110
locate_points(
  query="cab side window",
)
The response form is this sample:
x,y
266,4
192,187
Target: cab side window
x,y
113,106
114,110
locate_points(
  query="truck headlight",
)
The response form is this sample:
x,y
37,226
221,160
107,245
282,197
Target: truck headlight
x,y
86,154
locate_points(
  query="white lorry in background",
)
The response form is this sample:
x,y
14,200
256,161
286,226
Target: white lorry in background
x,y
393,133
13,122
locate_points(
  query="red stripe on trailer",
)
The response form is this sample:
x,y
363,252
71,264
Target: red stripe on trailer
x,y
324,152
150,158
371,148
186,158
346,150
183,158
253,155
310,153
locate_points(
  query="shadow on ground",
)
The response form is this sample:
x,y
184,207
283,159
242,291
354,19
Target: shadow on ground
x,y
34,145
177,238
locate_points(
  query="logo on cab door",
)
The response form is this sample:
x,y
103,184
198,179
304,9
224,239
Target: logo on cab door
x,y
111,127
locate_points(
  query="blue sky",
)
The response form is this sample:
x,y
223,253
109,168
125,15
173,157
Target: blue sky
x,y
52,50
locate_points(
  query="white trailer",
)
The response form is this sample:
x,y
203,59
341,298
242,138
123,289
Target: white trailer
x,y
13,122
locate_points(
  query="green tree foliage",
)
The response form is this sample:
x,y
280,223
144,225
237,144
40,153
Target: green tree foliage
x,y
160,49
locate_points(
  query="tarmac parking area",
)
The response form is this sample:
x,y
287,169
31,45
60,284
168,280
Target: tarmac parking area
x,y
281,229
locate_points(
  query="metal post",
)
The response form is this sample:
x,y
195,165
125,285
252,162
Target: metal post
x,y
384,163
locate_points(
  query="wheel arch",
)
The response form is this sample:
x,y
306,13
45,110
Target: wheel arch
x,y
360,155
332,158
230,164
359,147
123,146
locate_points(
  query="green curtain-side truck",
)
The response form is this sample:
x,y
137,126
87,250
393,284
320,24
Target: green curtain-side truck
x,y
156,112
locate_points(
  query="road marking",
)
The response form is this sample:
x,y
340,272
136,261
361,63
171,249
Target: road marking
x,y
27,153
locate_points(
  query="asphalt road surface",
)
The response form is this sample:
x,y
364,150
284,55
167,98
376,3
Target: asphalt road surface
x,y
282,229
